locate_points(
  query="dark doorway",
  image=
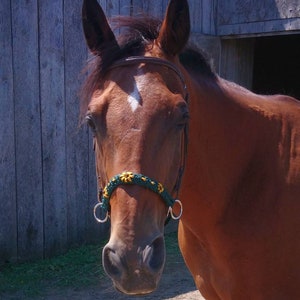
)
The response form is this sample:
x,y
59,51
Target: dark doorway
x,y
277,65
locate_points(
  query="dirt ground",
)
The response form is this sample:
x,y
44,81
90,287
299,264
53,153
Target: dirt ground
x,y
176,283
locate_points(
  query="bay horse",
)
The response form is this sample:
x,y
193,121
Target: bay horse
x,y
147,98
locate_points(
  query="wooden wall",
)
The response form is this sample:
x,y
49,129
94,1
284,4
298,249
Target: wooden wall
x,y
47,179
236,61
245,17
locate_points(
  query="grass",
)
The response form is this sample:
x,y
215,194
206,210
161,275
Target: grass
x,y
77,268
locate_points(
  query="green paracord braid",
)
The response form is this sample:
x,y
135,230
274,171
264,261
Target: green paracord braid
x,y
129,178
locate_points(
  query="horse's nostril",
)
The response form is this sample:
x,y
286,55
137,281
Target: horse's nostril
x,y
154,254
111,262
136,270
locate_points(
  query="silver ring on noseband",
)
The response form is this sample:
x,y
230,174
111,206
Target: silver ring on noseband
x,y
95,215
170,211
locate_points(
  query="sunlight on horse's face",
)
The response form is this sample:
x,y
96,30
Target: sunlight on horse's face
x,y
139,114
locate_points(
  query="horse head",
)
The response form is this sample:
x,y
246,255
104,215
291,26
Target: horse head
x,y
138,112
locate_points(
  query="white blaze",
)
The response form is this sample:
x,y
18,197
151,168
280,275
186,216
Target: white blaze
x,y
134,99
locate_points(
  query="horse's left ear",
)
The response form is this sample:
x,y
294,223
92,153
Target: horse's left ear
x,y
175,29
97,31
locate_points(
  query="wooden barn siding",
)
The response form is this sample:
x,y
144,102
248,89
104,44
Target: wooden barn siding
x,y
236,61
238,17
8,211
27,111
47,172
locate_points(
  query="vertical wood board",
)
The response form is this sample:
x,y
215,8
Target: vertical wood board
x,y
242,17
237,61
247,11
208,10
8,223
53,125
77,155
28,128
196,15
150,7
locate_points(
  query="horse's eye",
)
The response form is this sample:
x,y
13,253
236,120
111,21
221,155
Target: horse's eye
x,y
184,120
184,115
91,123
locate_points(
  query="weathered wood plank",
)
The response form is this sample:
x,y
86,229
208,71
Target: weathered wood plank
x,y
196,15
28,129
242,17
53,125
154,8
77,168
209,16
125,7
260,28
241,11
111,8
150,7
8,218
237,61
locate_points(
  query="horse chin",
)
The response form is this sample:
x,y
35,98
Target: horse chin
x,y
134,288
134,293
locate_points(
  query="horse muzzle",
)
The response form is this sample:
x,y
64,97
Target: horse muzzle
x,y
136,271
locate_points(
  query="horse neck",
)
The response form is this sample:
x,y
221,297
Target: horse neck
x,y
217,148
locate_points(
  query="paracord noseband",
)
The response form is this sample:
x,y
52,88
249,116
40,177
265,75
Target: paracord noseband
x,y
129,178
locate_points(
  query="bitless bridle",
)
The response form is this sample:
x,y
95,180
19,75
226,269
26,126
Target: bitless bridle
x,y
130,178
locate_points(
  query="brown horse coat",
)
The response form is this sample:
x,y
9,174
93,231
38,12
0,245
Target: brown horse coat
x,y
240,229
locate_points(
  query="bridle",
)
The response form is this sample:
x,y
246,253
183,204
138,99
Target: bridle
x,y
130,178
126,178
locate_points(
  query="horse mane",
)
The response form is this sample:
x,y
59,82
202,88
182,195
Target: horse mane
x,y
136,33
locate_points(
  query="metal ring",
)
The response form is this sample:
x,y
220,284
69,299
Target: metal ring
x,y
98,219
171,210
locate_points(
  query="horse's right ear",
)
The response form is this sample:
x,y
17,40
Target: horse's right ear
x,y
175,29
97,31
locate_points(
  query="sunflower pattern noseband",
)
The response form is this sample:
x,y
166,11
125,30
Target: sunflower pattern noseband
x,y
129,178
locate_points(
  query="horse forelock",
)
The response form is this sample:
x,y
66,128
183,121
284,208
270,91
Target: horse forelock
x,y
135,36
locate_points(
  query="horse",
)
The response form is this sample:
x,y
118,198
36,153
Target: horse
x,y
167,127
